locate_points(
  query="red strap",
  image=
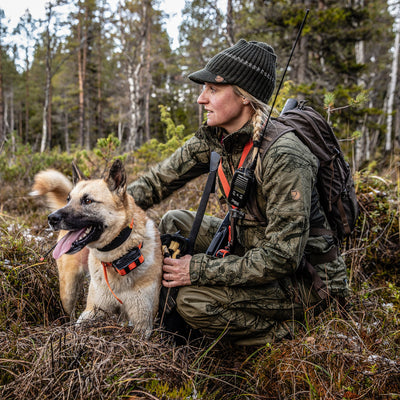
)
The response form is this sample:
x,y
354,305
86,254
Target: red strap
x,y
221,175
223,180
105,265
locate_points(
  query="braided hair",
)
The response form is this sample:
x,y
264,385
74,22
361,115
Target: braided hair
x,y
260,115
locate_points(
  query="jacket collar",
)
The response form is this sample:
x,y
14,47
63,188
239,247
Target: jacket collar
x,y
231,143
235,141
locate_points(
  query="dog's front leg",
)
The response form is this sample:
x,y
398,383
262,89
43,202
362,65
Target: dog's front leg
x,y
141,308
71,271
100,302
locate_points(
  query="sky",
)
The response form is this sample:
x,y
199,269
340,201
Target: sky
x,y
14,9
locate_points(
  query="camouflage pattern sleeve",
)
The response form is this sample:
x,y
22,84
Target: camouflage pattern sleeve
x,y
274,252
186,163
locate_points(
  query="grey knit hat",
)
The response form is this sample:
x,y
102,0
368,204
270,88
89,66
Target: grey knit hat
x,y
249,65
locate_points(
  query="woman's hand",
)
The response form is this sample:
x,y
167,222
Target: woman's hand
x,y
176,271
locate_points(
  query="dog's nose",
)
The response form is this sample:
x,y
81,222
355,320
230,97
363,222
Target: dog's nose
x,y
54,220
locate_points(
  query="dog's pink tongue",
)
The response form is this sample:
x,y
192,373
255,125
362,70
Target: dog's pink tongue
x,y
65,243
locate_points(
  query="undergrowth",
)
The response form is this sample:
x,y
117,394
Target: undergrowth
x,y
43,354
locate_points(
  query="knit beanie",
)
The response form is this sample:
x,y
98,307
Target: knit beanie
x,y
249,65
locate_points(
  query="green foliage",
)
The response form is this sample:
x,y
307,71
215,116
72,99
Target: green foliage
x,y
164,390
22,162
96,163
377,232
330,98
154,151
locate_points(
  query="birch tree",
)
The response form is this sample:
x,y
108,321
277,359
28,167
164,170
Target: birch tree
x,y
361,145
393,83
135,20
47,87
2,125
26,29
82,37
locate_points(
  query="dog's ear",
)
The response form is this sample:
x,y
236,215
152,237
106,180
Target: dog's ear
x,y
77,175
116,179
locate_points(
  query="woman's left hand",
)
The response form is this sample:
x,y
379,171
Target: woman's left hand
x,y
176,271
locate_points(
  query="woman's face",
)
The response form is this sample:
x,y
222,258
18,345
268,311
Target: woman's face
x,y
224,107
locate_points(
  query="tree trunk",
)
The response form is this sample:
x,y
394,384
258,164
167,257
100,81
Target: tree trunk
x,y
66,132
100,121
147,74
362,142
2,125
392,87
47,89
27,104
45,109
139,81
230,31
82,62
133,81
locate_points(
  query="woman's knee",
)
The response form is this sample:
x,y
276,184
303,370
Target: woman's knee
x,y
191,304
201,307
176,220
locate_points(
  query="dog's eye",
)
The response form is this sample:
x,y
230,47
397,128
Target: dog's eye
x,y
68,198
87,201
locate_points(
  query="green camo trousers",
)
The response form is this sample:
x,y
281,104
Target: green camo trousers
x,y
245,315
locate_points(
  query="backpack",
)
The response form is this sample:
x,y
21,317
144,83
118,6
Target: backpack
x,y
335,183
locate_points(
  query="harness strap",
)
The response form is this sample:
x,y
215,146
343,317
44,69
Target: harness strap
x,y
108,283
225,184
209,188
227,188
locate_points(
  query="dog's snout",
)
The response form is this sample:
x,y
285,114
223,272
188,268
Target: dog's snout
x,y
54,220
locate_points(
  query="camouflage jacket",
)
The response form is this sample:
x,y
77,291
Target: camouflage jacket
x,y
274,251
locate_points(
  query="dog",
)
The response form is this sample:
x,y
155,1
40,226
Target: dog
x,y
103,231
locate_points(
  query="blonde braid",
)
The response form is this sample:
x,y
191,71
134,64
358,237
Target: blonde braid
x,y
261,111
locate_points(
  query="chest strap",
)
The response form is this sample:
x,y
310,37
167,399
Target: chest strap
x,y
221,175
227,188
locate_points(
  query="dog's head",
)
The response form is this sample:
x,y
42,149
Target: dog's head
x,y
95,208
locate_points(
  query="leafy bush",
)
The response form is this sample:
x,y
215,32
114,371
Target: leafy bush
x,y
155,151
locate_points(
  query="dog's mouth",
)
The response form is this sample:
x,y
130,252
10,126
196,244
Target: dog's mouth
x,y
74,241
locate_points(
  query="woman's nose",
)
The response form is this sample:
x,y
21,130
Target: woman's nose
x,y
202,99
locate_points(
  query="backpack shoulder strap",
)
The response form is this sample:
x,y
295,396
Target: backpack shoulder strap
x,y
271,136
273,133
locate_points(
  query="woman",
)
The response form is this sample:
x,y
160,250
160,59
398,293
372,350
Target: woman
x,y
256,293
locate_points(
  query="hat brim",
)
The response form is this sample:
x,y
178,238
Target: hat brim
x,y
205,75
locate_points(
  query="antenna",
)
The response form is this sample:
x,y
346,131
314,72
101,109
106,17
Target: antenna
x,y
258,142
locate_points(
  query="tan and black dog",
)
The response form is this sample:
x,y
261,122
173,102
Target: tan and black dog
x,y
104,231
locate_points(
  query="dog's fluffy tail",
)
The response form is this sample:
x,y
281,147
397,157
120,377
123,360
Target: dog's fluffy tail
x,y
54,186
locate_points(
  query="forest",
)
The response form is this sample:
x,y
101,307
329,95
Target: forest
x,y
96,70
96,80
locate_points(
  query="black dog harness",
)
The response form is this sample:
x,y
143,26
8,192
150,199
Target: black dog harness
x,y
127,262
